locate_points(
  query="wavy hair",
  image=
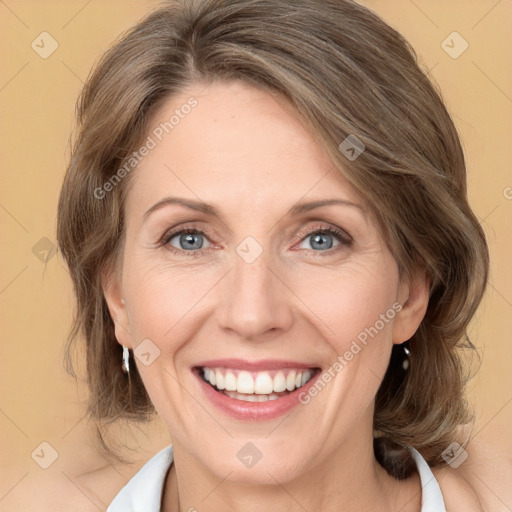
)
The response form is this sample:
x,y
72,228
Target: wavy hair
x,y
345,72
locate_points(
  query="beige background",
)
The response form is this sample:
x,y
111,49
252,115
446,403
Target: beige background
x,y
39,402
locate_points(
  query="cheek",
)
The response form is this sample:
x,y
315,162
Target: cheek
x,y
162,303
355,303
167,306
164,299
355,316
168,303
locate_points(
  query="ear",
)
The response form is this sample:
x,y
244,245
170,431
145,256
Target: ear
x,y
112,291
413,294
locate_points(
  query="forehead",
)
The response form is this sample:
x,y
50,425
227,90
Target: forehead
x,y
232,143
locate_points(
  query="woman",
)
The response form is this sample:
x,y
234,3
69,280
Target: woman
x,y
266,222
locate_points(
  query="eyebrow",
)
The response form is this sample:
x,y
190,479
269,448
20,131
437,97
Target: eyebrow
x,y
211,210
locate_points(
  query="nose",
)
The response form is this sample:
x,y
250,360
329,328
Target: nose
x,y
256,303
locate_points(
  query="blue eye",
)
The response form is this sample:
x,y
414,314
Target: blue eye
x,y
190,241
321,240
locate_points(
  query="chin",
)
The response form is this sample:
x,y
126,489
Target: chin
x,y
257,461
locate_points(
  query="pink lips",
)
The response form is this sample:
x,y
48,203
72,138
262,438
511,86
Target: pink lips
x,y
253,411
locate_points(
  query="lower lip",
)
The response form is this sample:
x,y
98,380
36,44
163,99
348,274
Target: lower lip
x,y
254,411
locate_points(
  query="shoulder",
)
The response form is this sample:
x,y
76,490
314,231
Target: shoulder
x,y
60,488
102,484
483,482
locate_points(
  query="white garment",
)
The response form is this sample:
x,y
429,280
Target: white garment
x,y
143,492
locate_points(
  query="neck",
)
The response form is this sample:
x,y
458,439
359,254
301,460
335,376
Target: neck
x,y
350,479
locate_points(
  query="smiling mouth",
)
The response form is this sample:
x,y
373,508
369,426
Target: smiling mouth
x,y
256,386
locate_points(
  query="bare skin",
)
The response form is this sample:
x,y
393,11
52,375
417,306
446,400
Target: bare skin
x,y
245,152
463,489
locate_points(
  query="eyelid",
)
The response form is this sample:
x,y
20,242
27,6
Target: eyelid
x,y
327,228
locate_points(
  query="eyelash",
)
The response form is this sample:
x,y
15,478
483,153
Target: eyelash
x,y
343,237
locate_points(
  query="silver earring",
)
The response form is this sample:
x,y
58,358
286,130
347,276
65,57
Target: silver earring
x,y
405,362
126,360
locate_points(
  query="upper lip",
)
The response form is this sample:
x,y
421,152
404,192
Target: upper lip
x,y
255,366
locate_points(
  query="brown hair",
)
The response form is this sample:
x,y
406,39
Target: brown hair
x,y
345,72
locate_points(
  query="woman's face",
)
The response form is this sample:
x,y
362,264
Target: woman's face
x,y
264,291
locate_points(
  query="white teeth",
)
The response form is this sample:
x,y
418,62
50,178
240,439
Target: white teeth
x,y
305,377
240,396
251,398
290,381
261,386
230,381
245,383
219,378
209,376
279,382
